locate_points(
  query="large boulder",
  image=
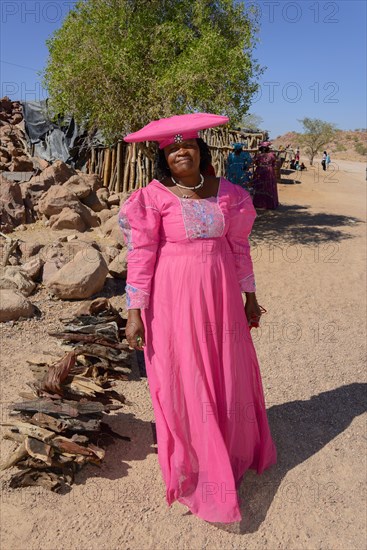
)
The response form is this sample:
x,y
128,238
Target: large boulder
x,y
112,230
54,257
118,266
39,163
33,267
77,217
84,276
55,200
68,219
56,174
77,186
15,278
109,253
114,200
57,254
29,249
105,215
21,164
65,210
14,305
103,194
94,202
92,180
12,211
79,179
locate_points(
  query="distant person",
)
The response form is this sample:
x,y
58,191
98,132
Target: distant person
x,y
238,164
327,160
265,181
296,159
287,157
323,161
283,155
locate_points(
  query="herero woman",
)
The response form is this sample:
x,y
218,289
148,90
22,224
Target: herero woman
x,y
188,263
265,181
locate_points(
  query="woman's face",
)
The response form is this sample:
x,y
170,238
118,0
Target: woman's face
x,y
183,159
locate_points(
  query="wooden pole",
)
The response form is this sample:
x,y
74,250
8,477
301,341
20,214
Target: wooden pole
x,y
112,186
107,168
113,166
126,169
139,171
101,163
132,166
119,167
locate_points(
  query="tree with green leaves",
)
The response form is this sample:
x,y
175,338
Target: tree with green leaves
x,y
317,134
118,64
252,122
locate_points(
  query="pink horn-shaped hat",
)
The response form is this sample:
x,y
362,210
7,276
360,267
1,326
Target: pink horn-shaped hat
x,y
176,129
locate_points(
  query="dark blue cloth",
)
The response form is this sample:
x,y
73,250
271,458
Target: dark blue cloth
x,y
237,168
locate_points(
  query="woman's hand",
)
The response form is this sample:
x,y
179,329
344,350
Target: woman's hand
x,y
252,309
135,331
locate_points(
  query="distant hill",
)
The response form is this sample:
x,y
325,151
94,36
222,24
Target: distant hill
x,y
347,144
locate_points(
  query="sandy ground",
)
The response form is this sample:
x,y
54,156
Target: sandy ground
x,y
309,259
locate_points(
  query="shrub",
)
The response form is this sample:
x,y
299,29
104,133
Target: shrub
x,y
361,149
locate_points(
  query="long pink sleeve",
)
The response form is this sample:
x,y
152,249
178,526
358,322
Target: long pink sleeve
x,y
140,221
242,217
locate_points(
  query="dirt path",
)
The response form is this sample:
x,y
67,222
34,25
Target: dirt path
x,y
309,261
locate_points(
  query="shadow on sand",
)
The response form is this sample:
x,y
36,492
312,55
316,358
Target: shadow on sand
x,y
289,181
300,429
293,224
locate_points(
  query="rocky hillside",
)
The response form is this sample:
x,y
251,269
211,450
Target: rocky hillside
x,y
347,144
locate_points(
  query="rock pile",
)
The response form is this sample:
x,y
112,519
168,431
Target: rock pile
x,y
31,189
63,198
12,208
68,268
10,112
13,144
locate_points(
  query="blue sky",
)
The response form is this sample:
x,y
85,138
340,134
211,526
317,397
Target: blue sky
x,y
316,58
314,51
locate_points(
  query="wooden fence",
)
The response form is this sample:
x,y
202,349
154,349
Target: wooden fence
x,y
125,167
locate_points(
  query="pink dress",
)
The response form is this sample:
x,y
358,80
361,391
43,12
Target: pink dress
x,y
265,182
188,262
